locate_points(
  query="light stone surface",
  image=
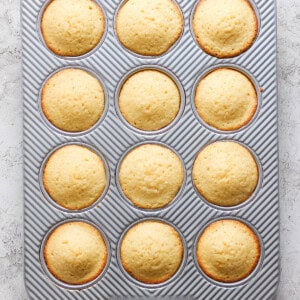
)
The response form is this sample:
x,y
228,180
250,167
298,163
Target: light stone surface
x,y
11,201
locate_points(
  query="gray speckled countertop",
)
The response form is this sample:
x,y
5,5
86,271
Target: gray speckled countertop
x,y
11,199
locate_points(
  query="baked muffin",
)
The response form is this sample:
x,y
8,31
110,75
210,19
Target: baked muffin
x,y
149,27
151,176
74,177
149,100
225,28
228,251
225,173
226,99
73,100
72,27
151,252
75,253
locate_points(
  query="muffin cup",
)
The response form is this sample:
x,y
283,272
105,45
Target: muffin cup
x,y
128,201
62,284
79,133
145,57
258,17
242,71
70,58
164,71
254,194
240,282
145,285
53,202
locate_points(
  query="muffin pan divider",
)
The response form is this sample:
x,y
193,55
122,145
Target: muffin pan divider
x,y
111,137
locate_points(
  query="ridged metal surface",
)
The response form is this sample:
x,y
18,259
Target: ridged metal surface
x,y
112,138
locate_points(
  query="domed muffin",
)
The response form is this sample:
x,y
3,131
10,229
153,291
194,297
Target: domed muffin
x,y
149,100
151,176
72,27
226,99
149,27
225,28
73,100
228,251
75,253
225,173
151,252
74,177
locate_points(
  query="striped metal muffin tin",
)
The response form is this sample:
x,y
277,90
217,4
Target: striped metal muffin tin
x,y
112,137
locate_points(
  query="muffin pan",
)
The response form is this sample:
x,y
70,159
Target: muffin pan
x,y
112,138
